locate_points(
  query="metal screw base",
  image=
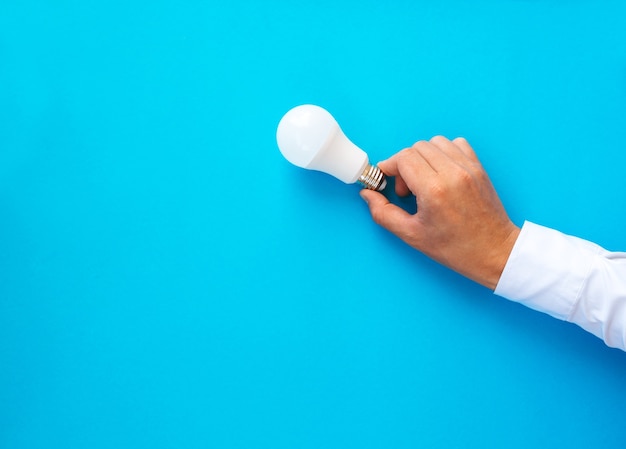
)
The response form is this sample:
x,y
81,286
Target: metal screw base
x,y
373,178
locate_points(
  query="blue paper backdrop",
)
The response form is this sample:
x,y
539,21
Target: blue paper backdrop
x,y
167,280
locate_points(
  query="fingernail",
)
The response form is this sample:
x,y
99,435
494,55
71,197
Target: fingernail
x,y
363,196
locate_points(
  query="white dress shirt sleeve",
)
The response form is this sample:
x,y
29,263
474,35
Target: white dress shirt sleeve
x,y
569,278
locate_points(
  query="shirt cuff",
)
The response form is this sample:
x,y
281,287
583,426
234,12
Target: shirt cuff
x,y
546,270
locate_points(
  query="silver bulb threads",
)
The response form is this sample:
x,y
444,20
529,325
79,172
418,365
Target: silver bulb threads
x,y
373,178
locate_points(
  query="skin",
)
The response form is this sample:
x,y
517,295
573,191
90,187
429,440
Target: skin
x,y
460,222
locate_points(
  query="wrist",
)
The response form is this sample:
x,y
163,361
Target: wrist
x,y
499,257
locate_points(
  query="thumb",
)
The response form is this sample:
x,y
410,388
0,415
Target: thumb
x,y
386,214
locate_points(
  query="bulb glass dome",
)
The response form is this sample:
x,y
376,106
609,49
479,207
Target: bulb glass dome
x,y
309,137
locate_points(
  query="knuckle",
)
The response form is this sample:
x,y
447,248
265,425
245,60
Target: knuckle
x,y
378,215
417,145
405,154
462,180
436,191
464,177
406,151
458,180
438,139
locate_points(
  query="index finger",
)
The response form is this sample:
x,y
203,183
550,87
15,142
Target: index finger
x,y
411,170
466,148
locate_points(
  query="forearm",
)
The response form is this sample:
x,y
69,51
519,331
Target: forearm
x,y
569,278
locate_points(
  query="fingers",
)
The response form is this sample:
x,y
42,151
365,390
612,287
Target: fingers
x,y
447,147
390,168
459,150
465,147
434,155
401,188
410,168
386,214
419,166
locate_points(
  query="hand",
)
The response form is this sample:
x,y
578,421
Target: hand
x,y
460,221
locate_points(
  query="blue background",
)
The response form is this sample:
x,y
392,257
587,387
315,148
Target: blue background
x,y
168,280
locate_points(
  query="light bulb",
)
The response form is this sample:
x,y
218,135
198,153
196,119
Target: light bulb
x,y
309,137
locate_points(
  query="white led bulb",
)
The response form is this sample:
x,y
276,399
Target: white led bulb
x,y
309,137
